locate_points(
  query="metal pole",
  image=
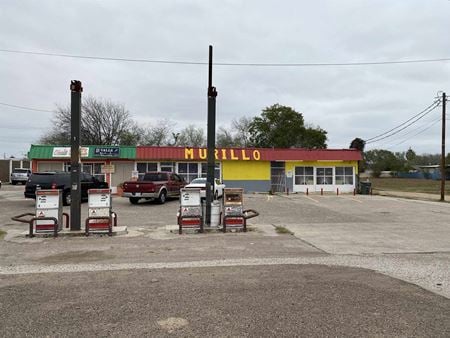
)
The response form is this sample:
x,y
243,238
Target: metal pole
x,y
211,139
444,99
75,163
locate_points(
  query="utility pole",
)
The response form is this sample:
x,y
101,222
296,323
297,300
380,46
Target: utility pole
x,y
443,174
211,140
75,160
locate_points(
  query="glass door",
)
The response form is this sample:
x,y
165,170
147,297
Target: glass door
x,y
324,177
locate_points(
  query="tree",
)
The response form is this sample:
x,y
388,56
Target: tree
x,y
236,136
428,159
358,143
224,138
103,122
410,155
282,127
132,137
191,136
313,138
159,134
242,131
380,160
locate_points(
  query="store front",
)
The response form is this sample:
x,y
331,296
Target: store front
x,y
254,169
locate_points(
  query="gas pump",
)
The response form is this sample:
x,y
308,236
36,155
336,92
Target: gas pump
x,y
233,209
100,216
190,212
48,206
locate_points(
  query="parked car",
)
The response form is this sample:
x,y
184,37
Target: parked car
x,y
154,185
61,180
201,183
20,175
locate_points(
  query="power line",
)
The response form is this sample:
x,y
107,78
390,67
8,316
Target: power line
x,y
409,132
406,124
26,108
420,132
251,64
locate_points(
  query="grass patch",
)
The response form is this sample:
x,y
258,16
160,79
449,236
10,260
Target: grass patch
x,y
283,230
409,185
2,234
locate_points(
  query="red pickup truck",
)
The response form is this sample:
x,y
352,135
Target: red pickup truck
x,y
154,185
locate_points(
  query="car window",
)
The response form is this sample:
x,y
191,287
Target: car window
x,y
198,180
42,178
155,177
21,171
86,177
177,178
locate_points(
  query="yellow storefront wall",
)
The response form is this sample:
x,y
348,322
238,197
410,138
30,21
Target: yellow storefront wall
x,y
291,165
245,170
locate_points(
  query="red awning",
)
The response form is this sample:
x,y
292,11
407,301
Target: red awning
x,y
247,154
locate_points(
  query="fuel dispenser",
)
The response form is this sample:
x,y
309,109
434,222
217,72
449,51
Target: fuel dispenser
x,y
48,216
190,212
234,215
233,209
100,216
49,212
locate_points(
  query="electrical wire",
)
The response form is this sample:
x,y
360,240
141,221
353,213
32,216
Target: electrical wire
x,y
420,132
251,64
26,108
405,124
401,124
400,137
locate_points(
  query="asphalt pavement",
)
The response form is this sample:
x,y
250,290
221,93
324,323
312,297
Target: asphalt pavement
x,y
353,266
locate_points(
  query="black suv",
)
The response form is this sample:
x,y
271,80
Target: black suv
x,y
61,180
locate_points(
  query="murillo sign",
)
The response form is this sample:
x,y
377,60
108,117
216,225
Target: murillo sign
x,y
223,154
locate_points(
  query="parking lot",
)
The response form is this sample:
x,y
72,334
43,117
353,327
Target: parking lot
x,y
401,238
343,224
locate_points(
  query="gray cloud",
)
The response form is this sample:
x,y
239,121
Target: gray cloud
x,y
348,102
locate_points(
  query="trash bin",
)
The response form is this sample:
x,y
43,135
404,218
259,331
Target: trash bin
x,y
364,188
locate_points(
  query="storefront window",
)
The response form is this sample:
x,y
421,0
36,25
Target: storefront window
x,y
188,171
324,176
67,166
344,175
143,167
168,166
94,169
216,170
304,175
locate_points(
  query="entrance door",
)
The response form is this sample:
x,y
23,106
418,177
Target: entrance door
x,y
277,177
87,168
324,178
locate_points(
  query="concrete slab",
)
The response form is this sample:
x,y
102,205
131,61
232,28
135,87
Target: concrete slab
x,y
117,231
345,238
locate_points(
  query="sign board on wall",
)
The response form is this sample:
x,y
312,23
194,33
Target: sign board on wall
x,y
107,151
134,175
65,152
108,169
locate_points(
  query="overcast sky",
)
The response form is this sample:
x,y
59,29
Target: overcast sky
x,y
348,102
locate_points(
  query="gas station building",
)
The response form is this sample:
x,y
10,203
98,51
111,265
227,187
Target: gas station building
x,y
254,169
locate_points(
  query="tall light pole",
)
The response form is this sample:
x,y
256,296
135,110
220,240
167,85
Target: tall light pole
x,y
75,160
211,140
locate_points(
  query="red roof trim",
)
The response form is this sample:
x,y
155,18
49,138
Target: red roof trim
x,y
247,154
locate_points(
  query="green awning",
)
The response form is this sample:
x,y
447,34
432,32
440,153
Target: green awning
x,y
47,152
